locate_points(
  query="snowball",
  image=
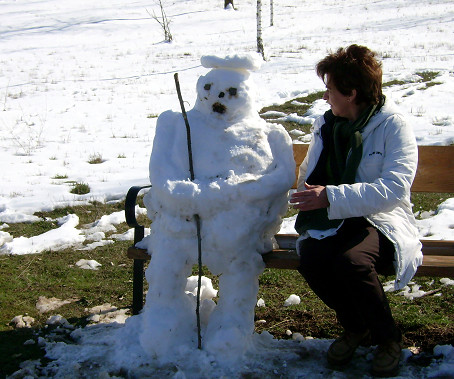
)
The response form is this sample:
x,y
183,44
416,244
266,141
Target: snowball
x,y
57,320
447,281
298,337
89,264
206,289
292,300
5,237
22,321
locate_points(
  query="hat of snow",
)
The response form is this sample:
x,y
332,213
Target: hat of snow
x,y
225,92
242,62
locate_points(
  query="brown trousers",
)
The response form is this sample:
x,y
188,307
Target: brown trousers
x,y
343,271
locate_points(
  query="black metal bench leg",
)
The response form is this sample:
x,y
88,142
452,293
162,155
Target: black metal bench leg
x,y
137,287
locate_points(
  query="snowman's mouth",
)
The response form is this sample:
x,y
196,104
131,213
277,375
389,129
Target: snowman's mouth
x,y
219,108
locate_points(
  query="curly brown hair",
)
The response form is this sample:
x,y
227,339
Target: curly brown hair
x,y
355,67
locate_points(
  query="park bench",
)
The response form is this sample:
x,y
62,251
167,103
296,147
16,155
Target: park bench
x,y
434,175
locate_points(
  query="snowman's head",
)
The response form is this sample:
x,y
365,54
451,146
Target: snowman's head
x,y
226,92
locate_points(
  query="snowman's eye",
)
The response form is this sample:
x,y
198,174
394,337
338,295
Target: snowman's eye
x,y
207,87
232,91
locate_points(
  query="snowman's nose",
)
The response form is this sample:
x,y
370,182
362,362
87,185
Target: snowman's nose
x,y
221,95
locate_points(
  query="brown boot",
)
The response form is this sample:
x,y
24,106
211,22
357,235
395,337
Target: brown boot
x,y
386,359
342,349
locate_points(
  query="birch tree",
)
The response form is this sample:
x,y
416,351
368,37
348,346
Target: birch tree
x,y
271,13
259,29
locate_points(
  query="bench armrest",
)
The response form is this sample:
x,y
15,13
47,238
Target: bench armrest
x,y
130,212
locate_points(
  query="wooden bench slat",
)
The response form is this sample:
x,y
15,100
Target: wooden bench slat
x,y
136,253
434,166
283,259
434,162
430,247
436,247
288,259
438,260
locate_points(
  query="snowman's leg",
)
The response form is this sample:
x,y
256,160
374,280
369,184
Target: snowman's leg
x,y
231,324
169,320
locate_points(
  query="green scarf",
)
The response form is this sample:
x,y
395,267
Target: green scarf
x,y
338,163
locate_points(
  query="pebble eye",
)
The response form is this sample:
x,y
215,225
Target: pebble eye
x,y
232,91
207,87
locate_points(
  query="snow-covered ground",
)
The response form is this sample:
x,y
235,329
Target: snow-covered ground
x,y
81,80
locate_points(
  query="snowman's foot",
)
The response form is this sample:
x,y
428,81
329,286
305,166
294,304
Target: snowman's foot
x,y
229,344
166,331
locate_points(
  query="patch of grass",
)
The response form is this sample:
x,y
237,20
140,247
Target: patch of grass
x,y
394,82
427,76
54,274
428,201
80,188
58,176
430,84
31,229
298,106
96,159
425,322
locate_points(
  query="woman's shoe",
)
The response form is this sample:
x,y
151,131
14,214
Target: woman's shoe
x,y
342,349
386,359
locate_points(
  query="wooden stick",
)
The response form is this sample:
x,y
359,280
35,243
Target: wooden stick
x,y
196,216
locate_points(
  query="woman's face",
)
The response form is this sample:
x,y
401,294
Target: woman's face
x,y
341,105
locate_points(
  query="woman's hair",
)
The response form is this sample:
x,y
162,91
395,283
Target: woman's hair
x,y
355,67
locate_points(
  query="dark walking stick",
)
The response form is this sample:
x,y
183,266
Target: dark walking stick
x,y
196,216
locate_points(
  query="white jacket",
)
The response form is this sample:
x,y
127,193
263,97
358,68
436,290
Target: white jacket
x,y
381,193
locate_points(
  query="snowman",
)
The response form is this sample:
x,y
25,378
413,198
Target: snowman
x,y
243,169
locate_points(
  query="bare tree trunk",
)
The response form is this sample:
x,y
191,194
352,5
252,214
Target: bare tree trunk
x,y
227,2
259,29
271,13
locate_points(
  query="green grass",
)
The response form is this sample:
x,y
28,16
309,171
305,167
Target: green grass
x,y
58,176
426,77
298,106
95,159
394,82
428,201
80,188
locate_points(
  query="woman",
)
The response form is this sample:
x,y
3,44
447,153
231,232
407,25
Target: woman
x,y
355,218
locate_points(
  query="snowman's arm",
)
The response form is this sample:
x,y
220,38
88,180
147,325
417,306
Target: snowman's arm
x,y
169,158
280,175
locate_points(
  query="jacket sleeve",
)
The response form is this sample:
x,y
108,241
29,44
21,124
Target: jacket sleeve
x,y
302,170
385,191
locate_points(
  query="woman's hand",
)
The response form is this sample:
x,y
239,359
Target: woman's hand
x,y
313,197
